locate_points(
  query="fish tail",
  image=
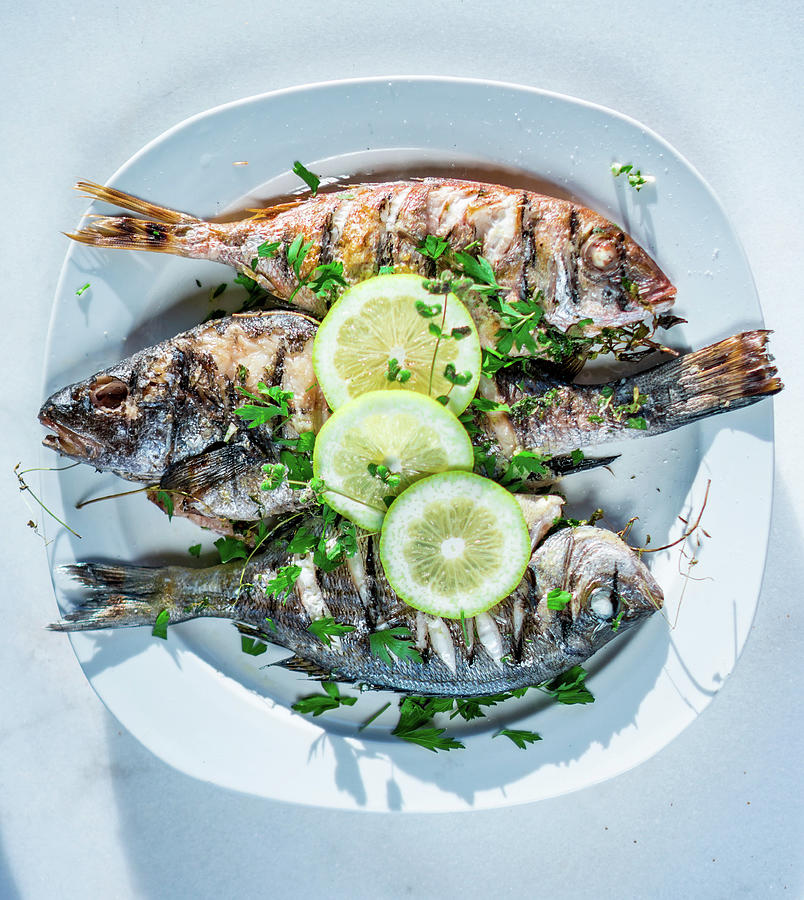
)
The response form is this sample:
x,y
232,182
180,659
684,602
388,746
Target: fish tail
x,y
118,596
162,232
127,233
132,203
733,373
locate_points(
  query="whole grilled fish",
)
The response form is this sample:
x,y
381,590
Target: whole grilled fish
x,y
166,416
518,643
585,266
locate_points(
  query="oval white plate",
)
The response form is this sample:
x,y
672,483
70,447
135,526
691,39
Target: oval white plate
x,y
211,711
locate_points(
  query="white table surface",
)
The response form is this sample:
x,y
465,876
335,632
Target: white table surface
x,y
85,810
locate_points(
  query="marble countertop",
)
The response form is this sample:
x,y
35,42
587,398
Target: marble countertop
x,y
85,810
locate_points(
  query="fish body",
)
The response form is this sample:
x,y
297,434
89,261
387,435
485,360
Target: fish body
x,y
518,643
167,416
585,267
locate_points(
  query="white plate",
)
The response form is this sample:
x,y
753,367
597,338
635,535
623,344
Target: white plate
x,y
204,707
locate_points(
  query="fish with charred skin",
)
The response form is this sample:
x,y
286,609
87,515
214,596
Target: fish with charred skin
x,y
584,267
167,415
520,642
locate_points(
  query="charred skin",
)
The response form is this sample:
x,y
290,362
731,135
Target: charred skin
x,y
583,264
520,642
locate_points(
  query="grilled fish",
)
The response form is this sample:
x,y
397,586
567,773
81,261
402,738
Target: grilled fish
x,y
585,266
518,643
166,416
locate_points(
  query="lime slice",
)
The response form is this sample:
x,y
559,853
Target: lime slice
x,y
375,330
454,544
408,434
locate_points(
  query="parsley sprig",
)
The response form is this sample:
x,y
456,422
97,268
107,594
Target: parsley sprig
x,y
326,628
316,704
394,642
635,178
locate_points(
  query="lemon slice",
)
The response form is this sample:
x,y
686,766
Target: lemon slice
x,y
372,448
375,335
454,544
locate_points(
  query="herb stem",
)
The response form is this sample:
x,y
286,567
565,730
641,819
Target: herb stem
x,y
438,343
82,503
376,715
24,487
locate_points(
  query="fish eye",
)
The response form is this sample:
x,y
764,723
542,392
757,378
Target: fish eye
x,y
108,393
603,602
601,252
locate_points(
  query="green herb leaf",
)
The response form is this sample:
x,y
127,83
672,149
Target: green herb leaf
x,y
267,250
596,420
283,582
276,473
309,178
251,646
570,687
230,548
161,625
303,541
327,279
218,291
428,310
297,251
386,270
577,457
519,737
616,622
637,422
84,287
558,599
326,628
396,642
477,268
317,704
167,501
195,550
433,247
430,738
453,377
485,405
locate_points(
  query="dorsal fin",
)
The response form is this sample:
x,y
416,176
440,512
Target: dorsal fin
x,y
305,666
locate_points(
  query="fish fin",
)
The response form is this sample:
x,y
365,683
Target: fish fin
x,y
565,465
253,632
271,212
197,474
118,596
134,204
127,233
299,664
733,373
567,370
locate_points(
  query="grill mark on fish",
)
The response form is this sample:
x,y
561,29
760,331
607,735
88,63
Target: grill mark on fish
x,y
528,247
622,297
572,264
325,251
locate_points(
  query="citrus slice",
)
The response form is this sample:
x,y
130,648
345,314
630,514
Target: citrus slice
x,y
372,448
454,544
376,337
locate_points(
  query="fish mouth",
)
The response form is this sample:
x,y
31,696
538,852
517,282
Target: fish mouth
x,y
659,298
69,442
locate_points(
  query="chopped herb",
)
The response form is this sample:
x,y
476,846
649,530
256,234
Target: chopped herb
x,y
596,420
195,550
384,474
615,625
635,178
485,405
161,625
303,541
309,178
217,292
327,279
569,688
521,466
386,270
276,473
167,501
558,599
519,737
433,247
396,373
283,582
459,378
636,422
326,628
396,642
519,320
577,457
376,715
430,738
428,310
84,287
317,704
266,250
230,548
251,646
262,411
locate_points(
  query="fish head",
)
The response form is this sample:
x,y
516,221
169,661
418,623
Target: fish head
x,y
119,420
616,282
611,588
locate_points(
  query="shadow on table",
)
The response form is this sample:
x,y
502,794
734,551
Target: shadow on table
x,y
8,887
